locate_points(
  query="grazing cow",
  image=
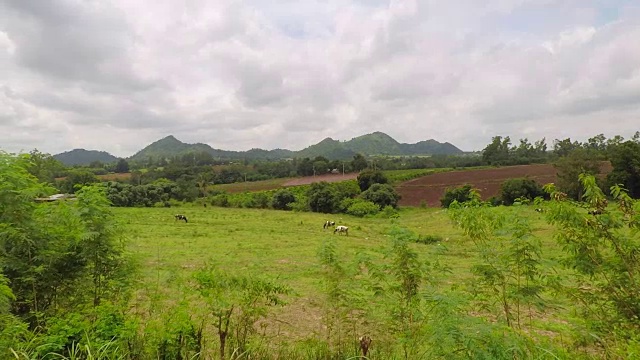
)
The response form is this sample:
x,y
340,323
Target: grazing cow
x,y
181,217
539,210
341,229
328,224
595,212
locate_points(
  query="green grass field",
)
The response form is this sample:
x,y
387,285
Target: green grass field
x,y
284,246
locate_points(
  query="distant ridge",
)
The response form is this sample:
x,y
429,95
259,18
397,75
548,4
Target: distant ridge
x,y
170,146
84,157
377,143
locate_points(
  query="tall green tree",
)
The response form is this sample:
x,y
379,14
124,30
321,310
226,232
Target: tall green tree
x,y
569,168
50,250
122,166
498,151
564,147
359,162
44,166
625,159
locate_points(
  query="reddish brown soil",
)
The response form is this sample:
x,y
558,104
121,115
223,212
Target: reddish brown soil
x,y
326,177
430,188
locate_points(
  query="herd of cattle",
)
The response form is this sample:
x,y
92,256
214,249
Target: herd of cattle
x,y
340,229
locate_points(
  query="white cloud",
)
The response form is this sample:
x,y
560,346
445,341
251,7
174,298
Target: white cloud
x,y
235,74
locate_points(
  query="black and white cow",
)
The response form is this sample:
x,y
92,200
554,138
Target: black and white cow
x,y
328,224
540,210
181,217
341,229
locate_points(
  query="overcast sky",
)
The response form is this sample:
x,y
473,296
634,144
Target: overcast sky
x,y
118,75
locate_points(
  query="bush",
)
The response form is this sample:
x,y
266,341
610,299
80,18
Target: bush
x,y
521,188
322,198
382,195
495,201
369,177
362,208
221,200
301,204
389,212
460,194
282,200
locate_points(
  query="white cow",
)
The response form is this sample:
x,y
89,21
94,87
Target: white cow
x,y
341,229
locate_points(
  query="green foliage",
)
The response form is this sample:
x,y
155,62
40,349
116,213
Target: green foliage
x,y
369,177
60,254
408,274
522,188
382,195
625,159
344,305
236,303
569,167
428,239
322,198
359,162
361,208
389,212
602,252
509,273
460,194
76,179
122,166
497,153
282,199
44,166
102,244
160,191
221,200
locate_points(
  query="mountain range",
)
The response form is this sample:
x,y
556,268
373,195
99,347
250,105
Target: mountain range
x,y
376,143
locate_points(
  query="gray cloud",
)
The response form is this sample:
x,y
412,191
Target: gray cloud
x,y
118,75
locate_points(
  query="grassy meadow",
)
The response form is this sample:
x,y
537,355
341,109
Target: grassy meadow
x,y
284,245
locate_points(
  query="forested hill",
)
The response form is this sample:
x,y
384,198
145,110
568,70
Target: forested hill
x,y
170,146
84,157
377,143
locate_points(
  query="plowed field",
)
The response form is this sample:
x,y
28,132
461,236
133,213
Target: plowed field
x,y
318,178
430,188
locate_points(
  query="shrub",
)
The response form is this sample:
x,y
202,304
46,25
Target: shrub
x,y
389,212
382,195
521,188
460,194
362,208
221,200
369,177
322,198
495,201
282,200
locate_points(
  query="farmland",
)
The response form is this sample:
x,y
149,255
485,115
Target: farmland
x,y
285,246
430,188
